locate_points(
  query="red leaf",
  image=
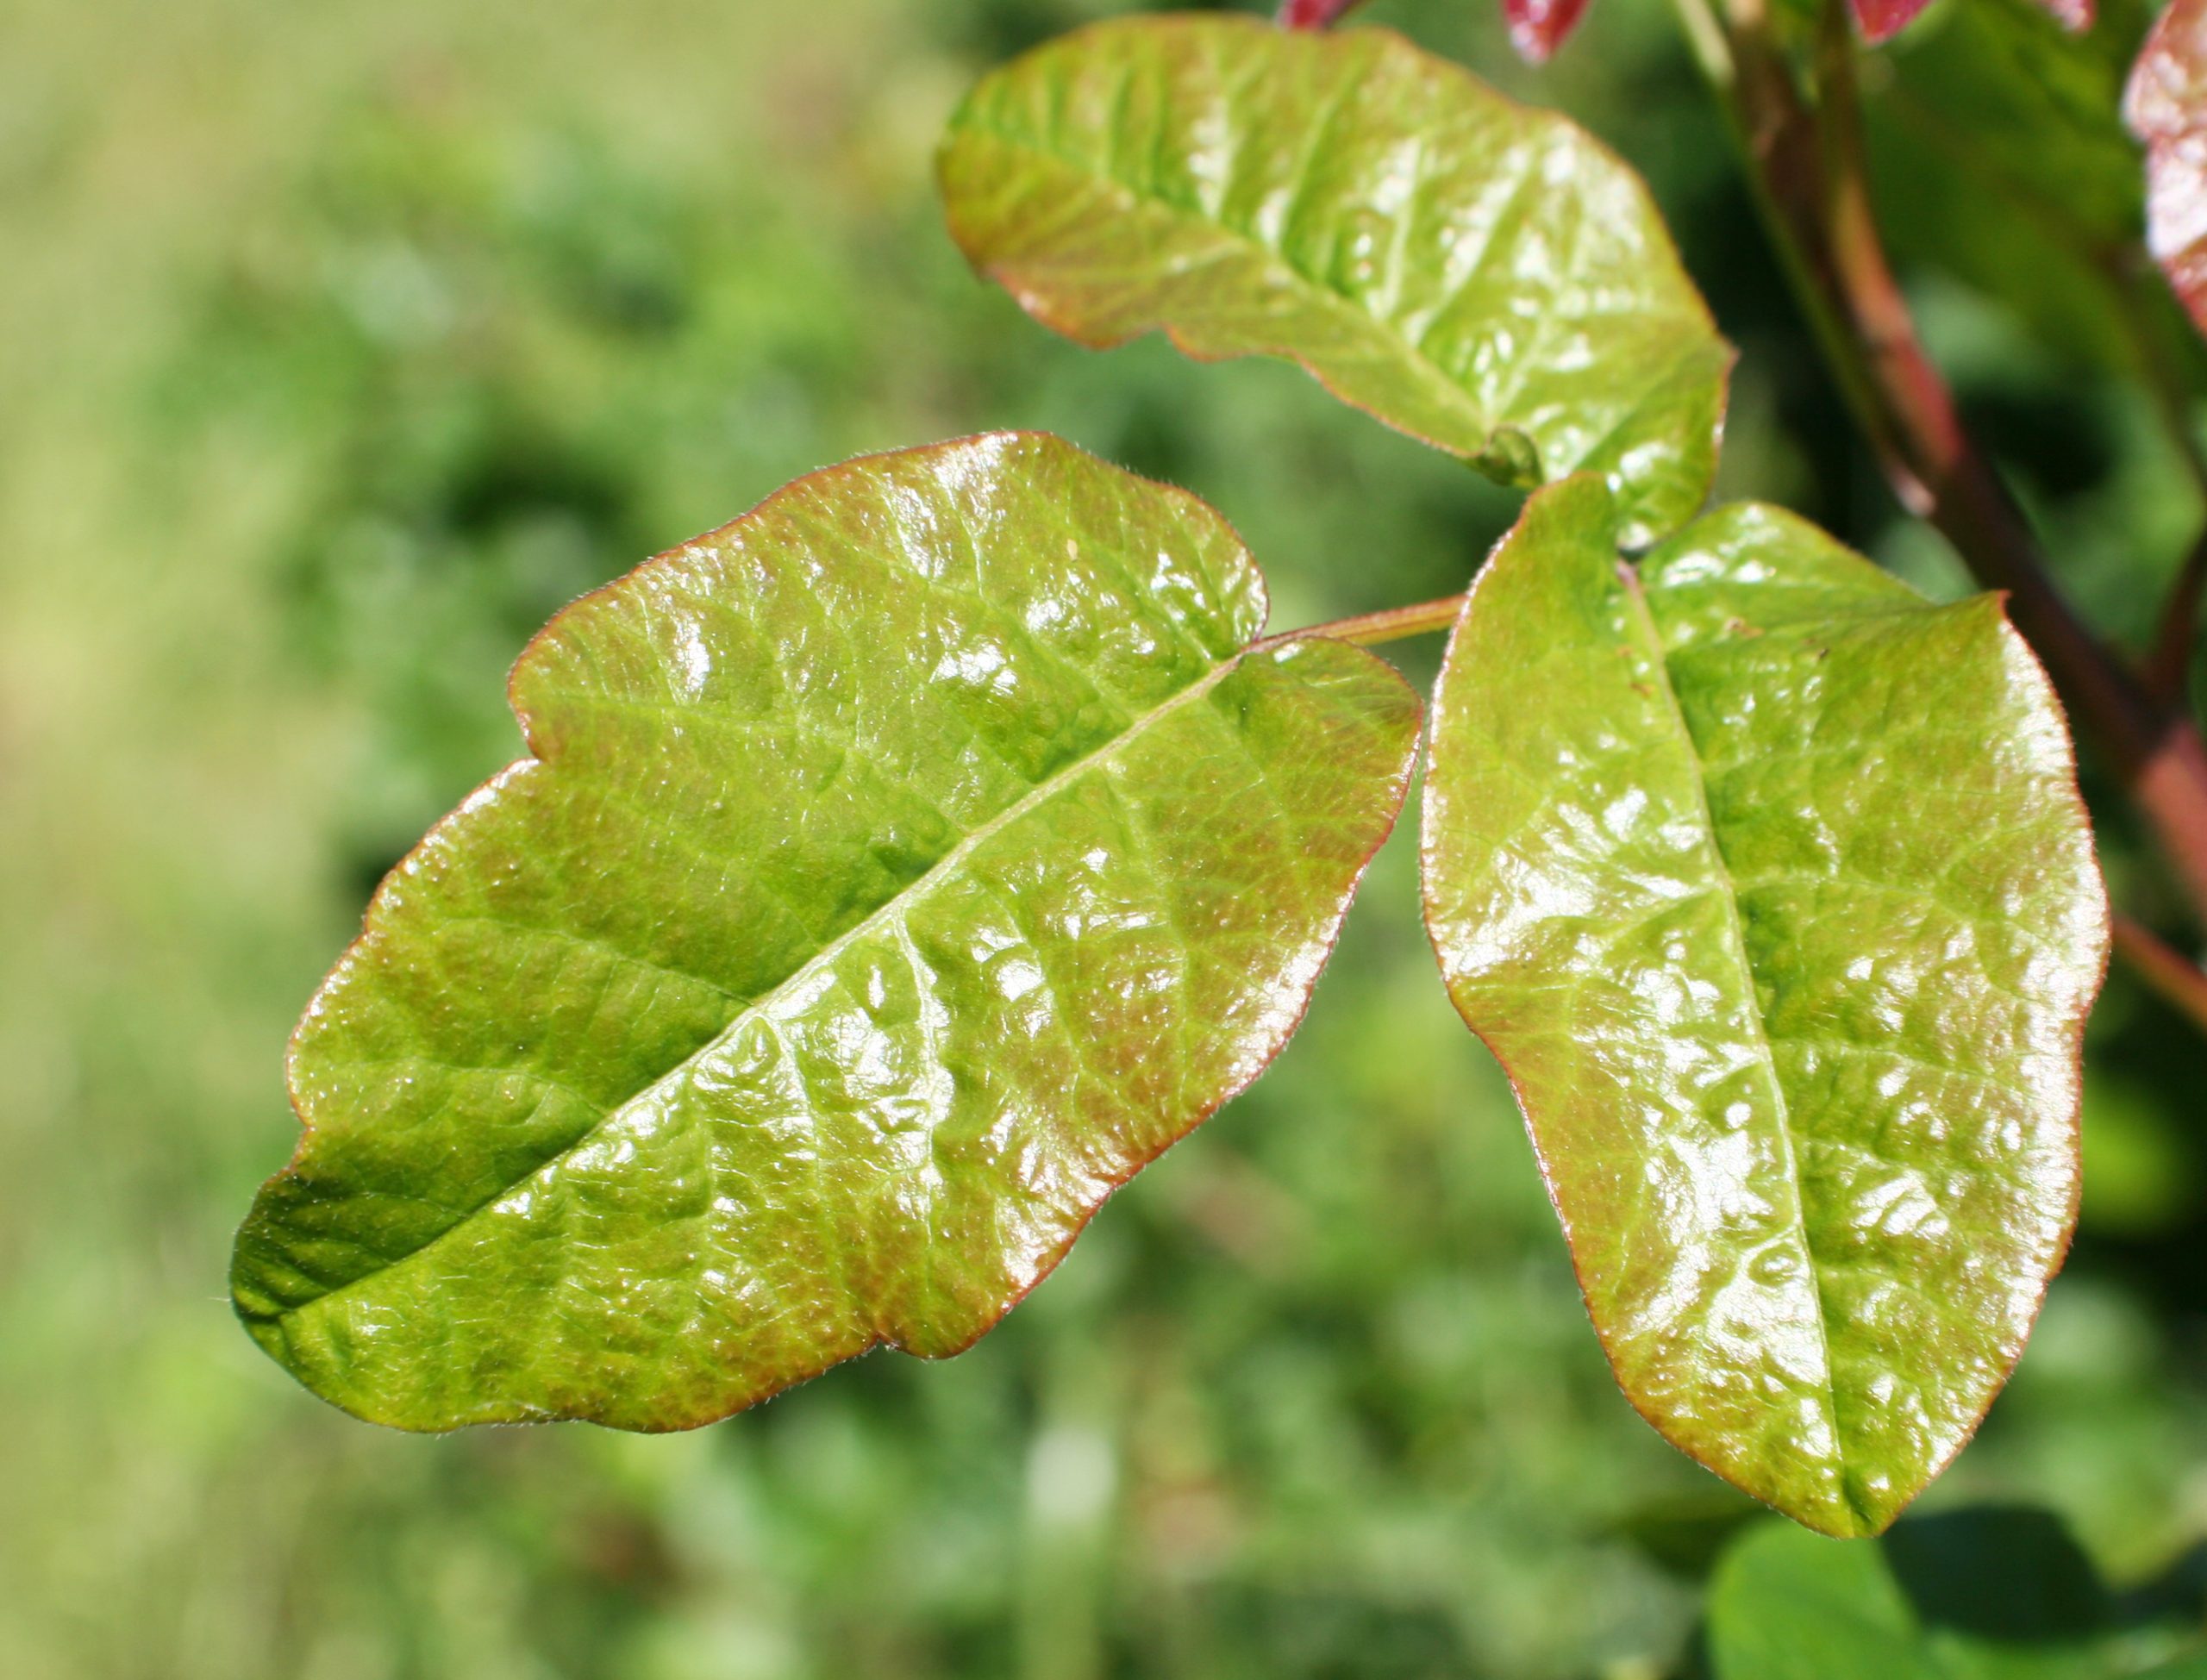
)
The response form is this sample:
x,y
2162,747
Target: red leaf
x,y
1881,20
1537,28
2166,105
1313,13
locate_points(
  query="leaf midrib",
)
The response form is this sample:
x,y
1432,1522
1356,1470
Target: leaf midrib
x,y
881,916
1490,423
1650,637
1451,388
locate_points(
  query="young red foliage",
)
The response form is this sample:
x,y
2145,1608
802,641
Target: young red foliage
x,y
1881,20
1313,14
2166,105
1537,28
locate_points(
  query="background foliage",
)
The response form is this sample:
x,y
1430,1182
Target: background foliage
x,y
338,345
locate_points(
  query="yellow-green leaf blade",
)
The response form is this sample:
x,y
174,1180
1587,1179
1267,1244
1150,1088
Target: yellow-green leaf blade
x,y
1768,882
1483,275
899,868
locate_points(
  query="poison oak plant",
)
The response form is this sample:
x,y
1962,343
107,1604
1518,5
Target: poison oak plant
x,y
899,868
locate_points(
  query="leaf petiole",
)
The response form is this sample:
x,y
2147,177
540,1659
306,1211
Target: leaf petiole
x,y
2169,975
1395,624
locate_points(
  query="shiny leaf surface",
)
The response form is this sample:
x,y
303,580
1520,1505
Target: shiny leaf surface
x,y
1480,275
898,869
1768,883
2166,107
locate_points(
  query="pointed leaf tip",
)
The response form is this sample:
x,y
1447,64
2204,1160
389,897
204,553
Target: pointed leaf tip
x,y
900,869
1537,28
1767,882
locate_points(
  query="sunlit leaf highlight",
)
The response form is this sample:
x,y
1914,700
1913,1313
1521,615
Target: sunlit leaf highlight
x,y
1479,274
896,870
1767,882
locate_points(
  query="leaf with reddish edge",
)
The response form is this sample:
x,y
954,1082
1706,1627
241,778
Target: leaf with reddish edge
x,y
1881,20
899,869
1482,275
1537,28
1313,13
2166,107
1767,882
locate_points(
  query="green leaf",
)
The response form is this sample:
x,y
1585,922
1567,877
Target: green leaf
x,y
1981,1595
899,868
1768,883
1483,275
1787,1605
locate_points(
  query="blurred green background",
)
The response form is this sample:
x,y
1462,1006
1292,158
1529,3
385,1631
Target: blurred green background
x,y
340,343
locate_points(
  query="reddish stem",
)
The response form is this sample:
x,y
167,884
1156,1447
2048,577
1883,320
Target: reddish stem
x,y
1806,164
2172,978
2168,667
1369,630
